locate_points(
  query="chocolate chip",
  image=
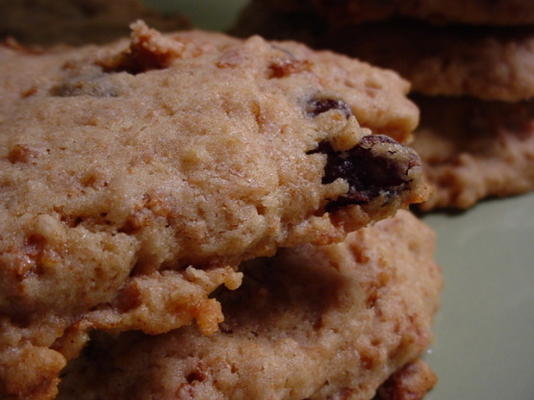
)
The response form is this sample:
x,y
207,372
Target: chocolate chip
x,y
368,171
317,106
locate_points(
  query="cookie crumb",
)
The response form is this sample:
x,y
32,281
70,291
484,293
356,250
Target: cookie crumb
x,y
148,50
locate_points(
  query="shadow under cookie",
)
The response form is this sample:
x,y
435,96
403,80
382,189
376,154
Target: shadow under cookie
x,y
312,322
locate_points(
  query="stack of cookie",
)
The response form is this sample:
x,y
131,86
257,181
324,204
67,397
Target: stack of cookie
x,y
184,216
314,322
471,65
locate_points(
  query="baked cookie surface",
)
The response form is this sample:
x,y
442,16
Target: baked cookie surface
x,y
482,62
474,149
76,22
135,177
477,84
313,322
478,12
412,382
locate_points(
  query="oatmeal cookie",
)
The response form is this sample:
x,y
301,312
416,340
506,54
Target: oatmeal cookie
x,y
478,12
474,149
485,63
75,22
312,323
411,382
482,62
135,177
476,135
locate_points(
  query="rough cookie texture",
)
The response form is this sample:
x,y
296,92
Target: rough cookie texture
x,y
486,63
480,12
312,323
46,22
473,149
412,382
135,177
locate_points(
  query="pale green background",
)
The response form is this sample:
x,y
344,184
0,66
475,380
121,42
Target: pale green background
x,y
484,346
206,14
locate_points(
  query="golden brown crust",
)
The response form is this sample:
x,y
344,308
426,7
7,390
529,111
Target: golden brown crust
x,y
477,142
474,149
313,322
483,62
136,176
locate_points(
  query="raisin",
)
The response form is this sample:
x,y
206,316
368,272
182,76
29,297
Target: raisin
x,y
368,173
317,106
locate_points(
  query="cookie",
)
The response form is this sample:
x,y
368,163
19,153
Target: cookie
x,y
485,63
476,134
312,323
474,149
76,22
412,382
478,12
136,177
482,62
